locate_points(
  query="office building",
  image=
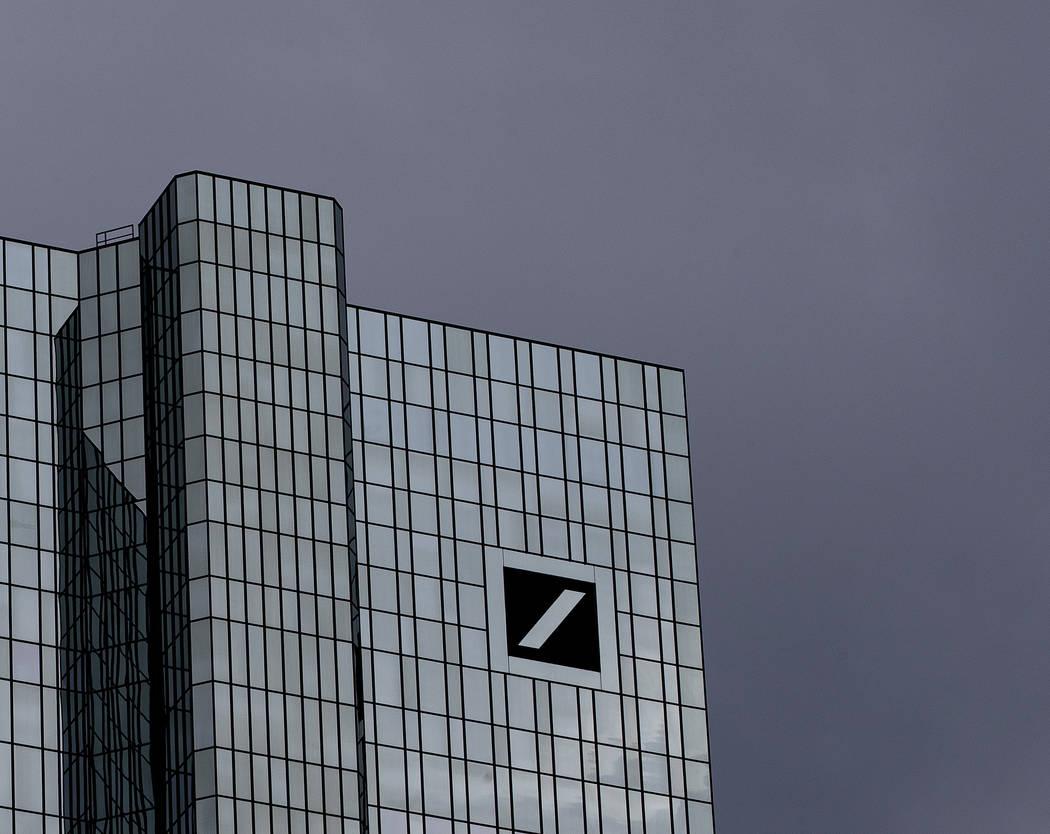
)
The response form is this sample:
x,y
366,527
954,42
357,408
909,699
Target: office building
x,y
272,562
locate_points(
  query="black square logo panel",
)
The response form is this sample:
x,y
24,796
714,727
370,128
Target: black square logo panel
x,y
552,619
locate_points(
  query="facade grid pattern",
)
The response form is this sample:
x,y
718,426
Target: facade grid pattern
x,y
265,517
271,562
103,567
39,287
468,442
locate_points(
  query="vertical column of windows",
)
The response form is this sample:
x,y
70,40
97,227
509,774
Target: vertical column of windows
x,y
103,565
164,245
278,596
37,293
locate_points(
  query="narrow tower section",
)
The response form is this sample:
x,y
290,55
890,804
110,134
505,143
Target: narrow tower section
x,y
103,570
250,531
38,292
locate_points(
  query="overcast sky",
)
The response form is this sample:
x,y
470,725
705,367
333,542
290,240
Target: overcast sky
x,y
833,215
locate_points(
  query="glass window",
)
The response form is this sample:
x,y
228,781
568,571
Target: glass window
x,y
18,266
545,367
525,794
459,350
548,411
64,274
675,439
549,454
694,733
19,308
326,220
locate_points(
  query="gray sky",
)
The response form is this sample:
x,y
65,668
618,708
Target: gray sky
x,y
832,214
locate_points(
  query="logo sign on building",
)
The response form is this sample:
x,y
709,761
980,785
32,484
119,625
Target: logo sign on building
x,y
551,618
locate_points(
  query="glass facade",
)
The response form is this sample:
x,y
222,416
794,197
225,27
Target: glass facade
x,y
528,586
103,564
275,563
40,291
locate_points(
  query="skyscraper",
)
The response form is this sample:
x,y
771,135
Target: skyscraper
x,y
278,563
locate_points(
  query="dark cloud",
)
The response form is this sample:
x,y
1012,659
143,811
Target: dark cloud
x,y
833,215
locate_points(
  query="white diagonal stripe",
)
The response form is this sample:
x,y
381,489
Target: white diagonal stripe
x,y
554,617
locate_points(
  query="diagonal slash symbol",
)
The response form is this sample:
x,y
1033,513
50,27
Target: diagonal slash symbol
x,y
555,616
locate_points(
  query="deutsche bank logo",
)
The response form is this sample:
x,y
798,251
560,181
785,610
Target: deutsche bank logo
x,y
552,619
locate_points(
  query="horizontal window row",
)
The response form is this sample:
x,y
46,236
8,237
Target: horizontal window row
x,y
549,536
109,268
275,724
381,418
29,526
23,662
517,361
259,346
608,809
645,649
461,597
248,604
238,203
32,311
241,462
30,781
29,714
647,473
285,426
26,438
26,398
518,404
416,550
226,247
419,575
507,490
271,558
435,686
117,400
476,736
110,357
644,643
110,313
553,709
468,437
38,268
261,296
313,804
268,511
29,565
565,758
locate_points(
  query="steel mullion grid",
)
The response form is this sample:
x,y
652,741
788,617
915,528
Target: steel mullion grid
x,y
587,560
559,383
264,659
236,800
703,655
458,626
647,409
298,633
625,572
397,562
327,457
447,419
493,765
628,573
214,528
217,528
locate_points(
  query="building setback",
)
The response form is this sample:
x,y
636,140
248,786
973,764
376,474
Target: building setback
x,y
270,562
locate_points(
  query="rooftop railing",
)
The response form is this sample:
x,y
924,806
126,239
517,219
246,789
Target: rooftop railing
x,y
117,234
